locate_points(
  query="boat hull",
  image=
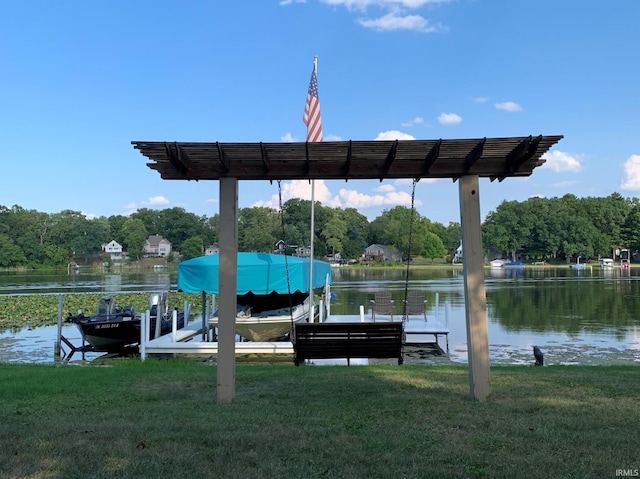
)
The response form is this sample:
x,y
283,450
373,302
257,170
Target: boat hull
x,y
112,335
119,333
268,325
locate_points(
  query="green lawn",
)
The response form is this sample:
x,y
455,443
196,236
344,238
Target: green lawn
x,y
160,419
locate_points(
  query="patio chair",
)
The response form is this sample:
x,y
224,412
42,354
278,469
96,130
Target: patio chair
x,y
382,304
416,303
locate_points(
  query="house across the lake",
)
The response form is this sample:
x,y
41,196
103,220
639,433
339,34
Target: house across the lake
x,y
212,249
382,253
156,245
114,250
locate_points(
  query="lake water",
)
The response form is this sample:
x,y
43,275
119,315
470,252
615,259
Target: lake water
x,y
575,316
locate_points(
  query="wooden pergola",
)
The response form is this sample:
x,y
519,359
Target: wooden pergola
x,y
465,160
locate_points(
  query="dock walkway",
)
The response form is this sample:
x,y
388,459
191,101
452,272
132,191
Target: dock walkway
x,y
189,340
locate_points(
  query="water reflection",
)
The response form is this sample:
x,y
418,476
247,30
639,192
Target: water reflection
x,y
585,316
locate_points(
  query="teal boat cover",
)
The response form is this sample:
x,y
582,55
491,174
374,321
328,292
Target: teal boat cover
x,y
259,273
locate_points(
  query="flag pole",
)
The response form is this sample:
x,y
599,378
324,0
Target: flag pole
x,y
313,185
313,121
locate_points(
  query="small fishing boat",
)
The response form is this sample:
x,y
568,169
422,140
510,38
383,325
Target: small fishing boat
x,y
606,263
578,264
114,328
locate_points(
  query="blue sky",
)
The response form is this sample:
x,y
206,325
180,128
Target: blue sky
x,y
82,79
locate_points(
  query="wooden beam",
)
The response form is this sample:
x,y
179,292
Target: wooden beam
x,y
347,163
222,156
521,153
265,156
474,155
227,279
431,157
389,160
177,157
475,294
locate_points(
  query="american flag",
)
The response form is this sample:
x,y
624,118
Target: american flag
x,y
311,116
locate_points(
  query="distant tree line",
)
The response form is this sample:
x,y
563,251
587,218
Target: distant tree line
x,y
538,228
563,228
32,238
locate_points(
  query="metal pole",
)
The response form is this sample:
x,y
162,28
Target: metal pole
x,y
57,346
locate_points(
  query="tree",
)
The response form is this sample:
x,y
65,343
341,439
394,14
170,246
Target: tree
x,y
355,241
10,253
134,234
433,247
258,229
333,233
192,247
393,227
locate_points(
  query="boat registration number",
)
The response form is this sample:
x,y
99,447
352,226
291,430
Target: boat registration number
x,y
107,325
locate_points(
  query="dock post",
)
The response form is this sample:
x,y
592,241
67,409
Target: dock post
x,y
144,329
57,347
174,325
362,313
158,324
205,312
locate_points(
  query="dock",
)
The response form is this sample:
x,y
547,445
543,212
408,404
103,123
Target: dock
x,y
191,340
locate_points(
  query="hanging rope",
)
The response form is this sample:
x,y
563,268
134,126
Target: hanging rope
x,y
286,263
406,275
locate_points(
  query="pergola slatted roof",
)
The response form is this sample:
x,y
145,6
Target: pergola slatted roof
x,y
466,160
494,158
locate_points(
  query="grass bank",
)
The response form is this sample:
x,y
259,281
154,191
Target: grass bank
x,y
160,419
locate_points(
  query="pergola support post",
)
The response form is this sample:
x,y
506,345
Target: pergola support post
x,y
227,273
474,288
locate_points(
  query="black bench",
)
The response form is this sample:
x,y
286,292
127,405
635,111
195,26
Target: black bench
x,y
347,340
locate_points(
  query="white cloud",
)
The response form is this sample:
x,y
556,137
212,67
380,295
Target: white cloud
x,y
631,169
298,189
157,201
449,119
332,138
354,199
509,106
288,138
89,216
385,188
386,195
392,21
289,2
397,16
416,121
559,161
481,99
363,4
393,135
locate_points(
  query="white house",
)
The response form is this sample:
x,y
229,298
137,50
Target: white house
x,y
113,249
457,258
156,245
212,249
